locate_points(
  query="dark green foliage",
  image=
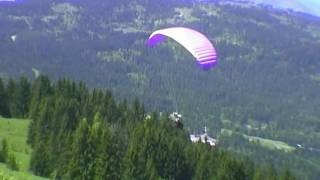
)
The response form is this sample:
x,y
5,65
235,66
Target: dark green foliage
x,y
4,151
83,153
286,175
15,98
265,173
21,99
80,134
6,157
11,89
157,147
40,162
41,88
231,169
12,162
4,101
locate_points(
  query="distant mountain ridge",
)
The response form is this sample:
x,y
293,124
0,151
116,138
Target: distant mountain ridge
x,y
311,7
305,6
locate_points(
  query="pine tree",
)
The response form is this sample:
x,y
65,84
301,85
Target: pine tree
x,y
21,98
286,175
259,174
4,104
41,125
155,144
205,168
4,151
40,163
83,149
108,160
231,169
123,112
65,155
136,155
41,88
12,163
11,92
71,116
151,171
138,111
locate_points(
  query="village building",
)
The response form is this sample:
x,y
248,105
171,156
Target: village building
x,y
203,138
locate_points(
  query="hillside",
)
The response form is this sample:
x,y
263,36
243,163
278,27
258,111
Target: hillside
x,y
15,132
79,134
305,6
265,85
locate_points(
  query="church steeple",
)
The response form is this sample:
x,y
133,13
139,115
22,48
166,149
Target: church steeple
x,y
205,130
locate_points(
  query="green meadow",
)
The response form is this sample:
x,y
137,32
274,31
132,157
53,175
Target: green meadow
x,y
15,132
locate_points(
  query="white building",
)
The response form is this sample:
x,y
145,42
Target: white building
x,y
175,116
203,138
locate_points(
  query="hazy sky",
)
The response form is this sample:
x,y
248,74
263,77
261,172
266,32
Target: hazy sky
x,y
307,6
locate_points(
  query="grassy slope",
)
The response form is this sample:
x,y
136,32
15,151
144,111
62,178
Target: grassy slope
x,y
271,144
267,143
15,132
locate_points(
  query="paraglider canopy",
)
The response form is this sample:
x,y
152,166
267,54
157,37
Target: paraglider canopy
x,y
195,42
13,38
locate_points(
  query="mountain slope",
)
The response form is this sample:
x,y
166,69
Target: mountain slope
x,y
268,64
15,132
306,6
267,77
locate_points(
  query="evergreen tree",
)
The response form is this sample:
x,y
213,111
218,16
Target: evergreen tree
x,y
206,168
63,160
73,115
21,99
12,163
151,171
138,111
286,175
109,156
4,151
41,125
155,144
4,105
40,162
41,157
123,115
265,172
259,174
83,152
137,155
11,94
41,88
231,169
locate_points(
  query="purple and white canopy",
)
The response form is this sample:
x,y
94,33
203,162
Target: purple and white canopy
x,y
195,42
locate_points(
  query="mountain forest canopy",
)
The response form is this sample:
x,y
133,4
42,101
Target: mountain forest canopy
x,y
263,91
80,134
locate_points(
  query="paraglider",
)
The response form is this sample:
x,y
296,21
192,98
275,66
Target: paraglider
x,y
13,38
195,42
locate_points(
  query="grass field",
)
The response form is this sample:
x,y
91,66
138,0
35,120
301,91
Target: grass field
x,y
267,143
15,132
271,144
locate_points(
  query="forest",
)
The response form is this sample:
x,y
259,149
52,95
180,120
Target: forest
x,y
265,85
78,133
